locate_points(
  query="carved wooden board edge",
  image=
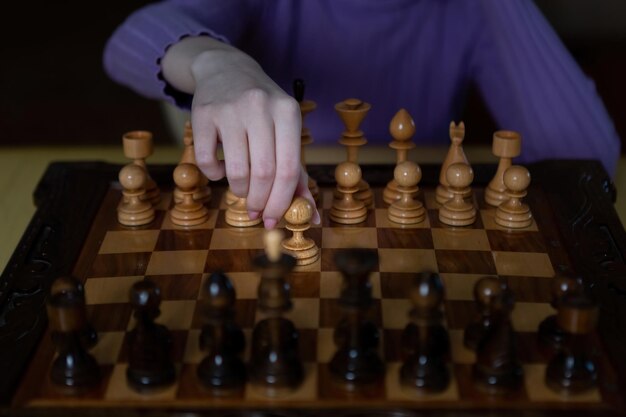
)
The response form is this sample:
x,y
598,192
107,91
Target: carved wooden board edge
x,y
67,198
582,196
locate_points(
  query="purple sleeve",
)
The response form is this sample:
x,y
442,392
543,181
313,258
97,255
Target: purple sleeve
x,y
531,84
133,53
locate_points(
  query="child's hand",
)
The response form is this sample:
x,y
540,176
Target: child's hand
x,y
258,124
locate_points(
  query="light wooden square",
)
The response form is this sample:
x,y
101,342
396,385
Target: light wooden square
x,y
128,241
458,351
108,348
523,264
407,260
526,317
331,283
460,239
109,290
175,315
177,262
349,237
325,345
460,286
395,313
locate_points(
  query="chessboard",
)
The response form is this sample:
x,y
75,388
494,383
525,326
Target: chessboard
x,y
76,232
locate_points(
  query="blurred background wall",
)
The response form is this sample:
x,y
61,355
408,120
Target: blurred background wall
x,y
53,89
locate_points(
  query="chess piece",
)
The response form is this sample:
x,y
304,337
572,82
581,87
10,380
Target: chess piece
x,y
402,128
221,338
203,194
506,145
237,214
73,369
571,370
134,209
407,210
425,369
457,211
455,155
490,298
356,360
298,217
188,212
550,334
275,365
497,369
306,107
512,213
138,146
149,344
352,112
88,336
347,209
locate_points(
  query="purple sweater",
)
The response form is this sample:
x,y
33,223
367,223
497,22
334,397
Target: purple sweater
x,y
418,54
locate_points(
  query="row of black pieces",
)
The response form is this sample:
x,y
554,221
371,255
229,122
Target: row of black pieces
x,y
564,336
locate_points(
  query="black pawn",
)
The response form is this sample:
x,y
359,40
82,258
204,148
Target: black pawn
x,y
357,360
550,334
487,294
74,367
497,369
274,354
274,359
426,337
149,358
571,370
222,368
88,335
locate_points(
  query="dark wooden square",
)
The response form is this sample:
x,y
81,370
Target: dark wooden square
x,y
516,241
178,287
119,264
175,239
397,238
465,262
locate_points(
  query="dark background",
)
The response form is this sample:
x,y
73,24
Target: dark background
x,y
53,89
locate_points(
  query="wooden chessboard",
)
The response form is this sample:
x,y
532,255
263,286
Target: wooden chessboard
x,y
76,232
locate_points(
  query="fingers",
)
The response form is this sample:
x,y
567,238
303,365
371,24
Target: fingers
x,y
236,157
288,167
205,145
260,128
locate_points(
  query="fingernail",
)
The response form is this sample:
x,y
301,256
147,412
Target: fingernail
x,y
253,214
269,223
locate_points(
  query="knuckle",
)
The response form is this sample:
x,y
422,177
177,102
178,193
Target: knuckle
x,y
264,171
256,96
287,105
237,171
289,170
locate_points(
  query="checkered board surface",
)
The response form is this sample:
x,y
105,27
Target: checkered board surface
x,y
179,259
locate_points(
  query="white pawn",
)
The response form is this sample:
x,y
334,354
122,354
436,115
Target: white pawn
x,y
455,154
457,211
237,214
189,157
347,209
512,213
188,212
135,209
298,217
407,210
